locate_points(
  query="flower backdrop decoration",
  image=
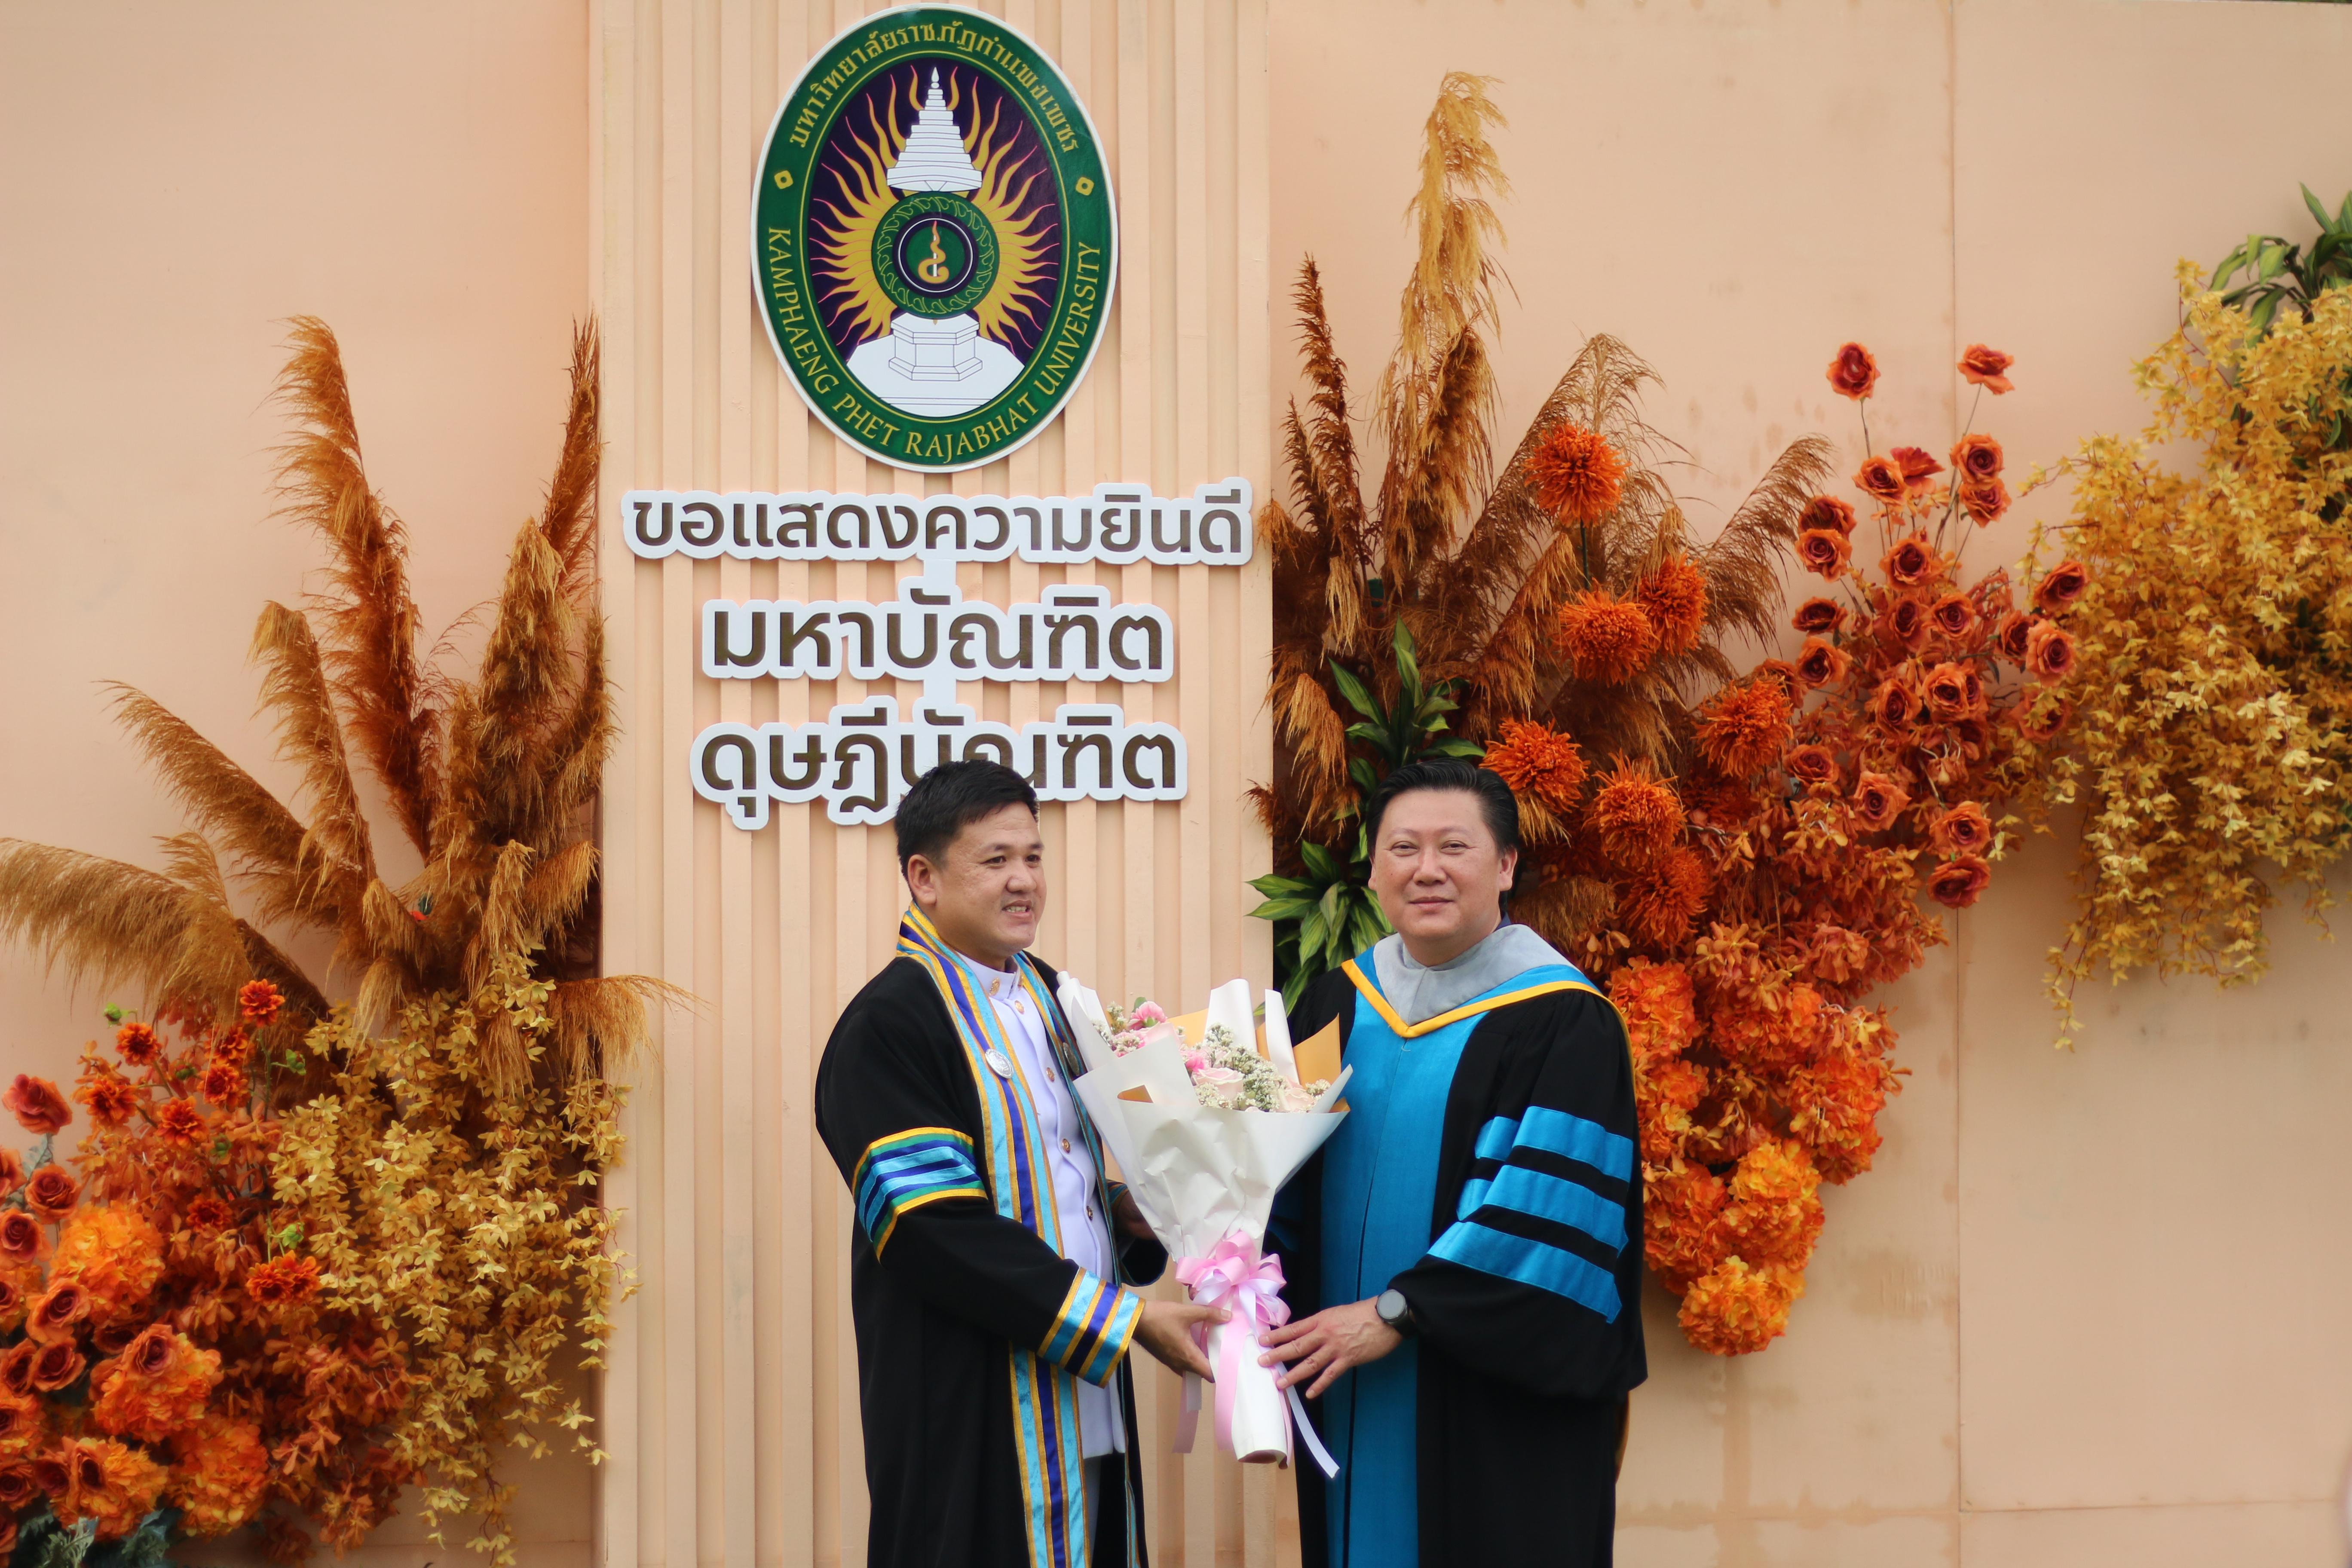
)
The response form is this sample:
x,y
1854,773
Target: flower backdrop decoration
x,y
372,1161
2210,642
1460,606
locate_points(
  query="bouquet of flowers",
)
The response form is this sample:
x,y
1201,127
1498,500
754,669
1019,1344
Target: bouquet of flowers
x,y
1207,1116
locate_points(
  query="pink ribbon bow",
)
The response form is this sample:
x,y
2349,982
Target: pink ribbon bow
x,y
1248,1284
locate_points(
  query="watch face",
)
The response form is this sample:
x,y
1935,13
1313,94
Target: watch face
x,y
1390,1307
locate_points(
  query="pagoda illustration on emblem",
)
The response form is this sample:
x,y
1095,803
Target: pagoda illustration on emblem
x,y
937,257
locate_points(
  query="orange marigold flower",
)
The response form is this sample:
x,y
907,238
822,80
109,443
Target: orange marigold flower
x,y
1654,1000
1984,367
1657,905
1984,500
157,1385
219,1467
138,1044
2049,652
114,1485
2058,592
180,1122
1953,616
37,1106
1881,479
1957,883
233,1047
1674,598
1877,801
111,1097
1821,618
52,1193
223,1083
1853,372
1920,470
1825,552
1538,762
1962,830
286,1281
208,1213
1813,766
1606,638
114,1251
1826,511
1578,476
1819,664
258,1002
1746,728
1679,1207
22,1239
1635,815
1976,458
1734,1310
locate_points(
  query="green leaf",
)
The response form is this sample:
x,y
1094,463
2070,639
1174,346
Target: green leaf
x,y
2264,311
1276,887
1322,864
1281,909
1310,934
1354,690
1407,665
1459,746
2318,209
1360,773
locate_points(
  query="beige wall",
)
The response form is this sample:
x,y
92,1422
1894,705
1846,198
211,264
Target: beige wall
x,y
2088,1308
177,181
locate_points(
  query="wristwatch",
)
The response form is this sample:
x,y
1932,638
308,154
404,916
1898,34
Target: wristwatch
x,y
1391,1308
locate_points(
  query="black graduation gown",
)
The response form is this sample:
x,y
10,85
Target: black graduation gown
x,y
966,1318
1521,1391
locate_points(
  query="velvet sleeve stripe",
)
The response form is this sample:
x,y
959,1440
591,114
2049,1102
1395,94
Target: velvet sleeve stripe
x,y
1092,1330
907,1169
1535,1263
1542,1195
1557,1132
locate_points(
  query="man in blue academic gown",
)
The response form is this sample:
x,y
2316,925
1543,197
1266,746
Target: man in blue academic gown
x,y
1473,1235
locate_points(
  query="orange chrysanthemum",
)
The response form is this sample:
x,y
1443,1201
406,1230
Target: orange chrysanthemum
x,y
258,1002
207,1213
233,1047
1654,1000
1657,905
111,1098
157,1385
1674,598
1606,638
223,1083
1734,1310
180,1122
1635,815
1578,476
111,1484
116,1252
139,1044
1747,728
218,1469
1679,1207
1540,763
1775,1213
286,1281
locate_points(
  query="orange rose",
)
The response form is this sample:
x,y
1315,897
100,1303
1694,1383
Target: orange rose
x,y
22,1239
1820,616
1826,511
1954,692
1976,458
19,1491
56,1365
1953,616
51,1193
1956,884
1984,500
1911,562
1905,621
2049,652
1821,664
58,1312
38,1107
1881,479
1877,801
1824,552
1812,765
2044,717
12,1172
1895,705
2012,638
16,1369
139,1044
1963,830
2059,592
1854,374
1920,470
1984,367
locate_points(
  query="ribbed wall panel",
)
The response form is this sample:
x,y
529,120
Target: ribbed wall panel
x,y
731,1405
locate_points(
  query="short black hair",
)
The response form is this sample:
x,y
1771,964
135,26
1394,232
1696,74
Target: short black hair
x,y
950,798
1497,804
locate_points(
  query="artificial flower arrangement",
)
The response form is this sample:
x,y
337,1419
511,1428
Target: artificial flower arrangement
x,y
1205,1127
168,1367
1753,902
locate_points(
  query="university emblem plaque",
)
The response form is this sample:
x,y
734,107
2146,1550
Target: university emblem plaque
x,y
934,237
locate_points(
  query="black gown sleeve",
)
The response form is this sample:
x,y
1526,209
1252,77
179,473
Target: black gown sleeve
x,y
1535,1277
889,1110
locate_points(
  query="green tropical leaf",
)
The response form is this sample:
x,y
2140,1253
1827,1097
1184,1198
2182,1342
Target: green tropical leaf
x,y
1278,887
1359,697
1322,864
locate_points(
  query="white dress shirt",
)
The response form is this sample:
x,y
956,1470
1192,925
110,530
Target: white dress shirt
x,y
1085,1229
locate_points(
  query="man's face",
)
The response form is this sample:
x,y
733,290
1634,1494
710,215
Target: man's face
x,y
1438,874
987,892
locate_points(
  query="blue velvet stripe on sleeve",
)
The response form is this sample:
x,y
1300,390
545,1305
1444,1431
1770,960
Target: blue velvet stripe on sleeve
x,y
1542,1195
1548,1198
1557,1132
908,1170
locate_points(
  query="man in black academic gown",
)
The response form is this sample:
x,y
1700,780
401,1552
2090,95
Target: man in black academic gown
x,y
989,1287
1473,1234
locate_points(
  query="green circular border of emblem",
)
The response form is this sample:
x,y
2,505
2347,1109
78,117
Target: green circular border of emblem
x,y
976,227
781,265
